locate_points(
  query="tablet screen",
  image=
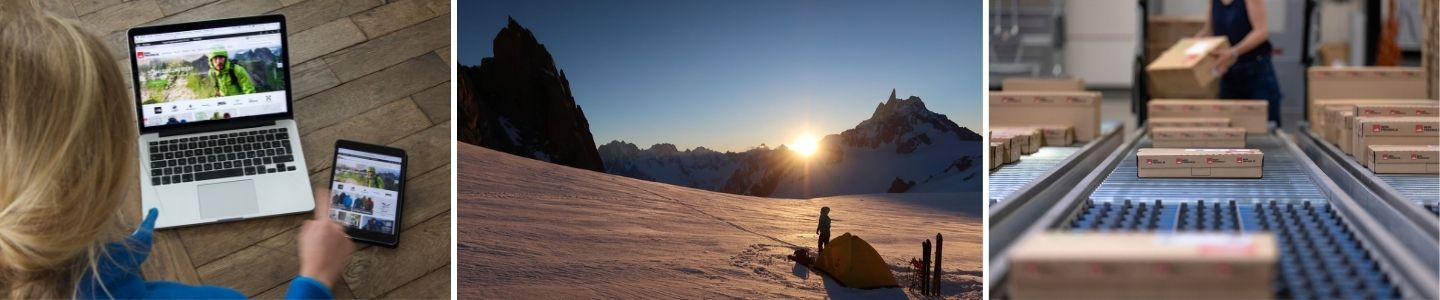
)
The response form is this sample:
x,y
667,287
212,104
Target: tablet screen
x,y
366,190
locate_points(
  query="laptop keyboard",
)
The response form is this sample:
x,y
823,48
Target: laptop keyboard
x,y
220,155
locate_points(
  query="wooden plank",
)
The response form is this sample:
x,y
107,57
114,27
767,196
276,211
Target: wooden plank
x,y
427,149
388,50
221,10
324,39
171,7
291,2
336,104
63,9
435,101
85,7
388,123
310,78
440,7
394,16
121,16
373,271
169,260
435,285
445,54
306,15
257,268
207,243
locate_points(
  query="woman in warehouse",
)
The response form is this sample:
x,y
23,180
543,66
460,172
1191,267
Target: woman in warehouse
x,y
1245,68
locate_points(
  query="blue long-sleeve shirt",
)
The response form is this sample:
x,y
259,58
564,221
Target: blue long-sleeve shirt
x,y
119,275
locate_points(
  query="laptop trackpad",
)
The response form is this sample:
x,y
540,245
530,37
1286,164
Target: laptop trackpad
x,y
228,199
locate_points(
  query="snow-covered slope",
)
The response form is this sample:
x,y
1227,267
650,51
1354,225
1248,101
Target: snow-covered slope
x,y
529,229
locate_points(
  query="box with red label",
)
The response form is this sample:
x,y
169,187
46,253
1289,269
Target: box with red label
x,y
1042,85
1344,128
1030,138
1135,265
1370,131
1165,122
1398,159
1199,163
1214,137
1318,108
1058,135
1079,110
1187,69
1364,83
1318,119
1248,114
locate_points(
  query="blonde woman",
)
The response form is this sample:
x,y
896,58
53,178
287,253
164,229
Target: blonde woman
x,y
67,163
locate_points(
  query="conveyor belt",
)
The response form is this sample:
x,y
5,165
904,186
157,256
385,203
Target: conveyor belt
x,y
1282,179
1418,187
1010,178
1320,257
1332,246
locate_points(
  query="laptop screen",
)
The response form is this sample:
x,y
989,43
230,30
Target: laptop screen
x,y
210,74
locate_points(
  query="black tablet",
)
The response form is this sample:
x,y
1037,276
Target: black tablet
x,y
367,185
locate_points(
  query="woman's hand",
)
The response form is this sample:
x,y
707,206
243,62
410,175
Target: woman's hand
x,y
324,248
1224,58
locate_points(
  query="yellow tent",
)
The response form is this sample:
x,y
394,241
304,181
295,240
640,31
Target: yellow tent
x,y
853,263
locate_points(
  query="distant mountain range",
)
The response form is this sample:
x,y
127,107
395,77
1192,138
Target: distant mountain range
x,y
519,103
903,147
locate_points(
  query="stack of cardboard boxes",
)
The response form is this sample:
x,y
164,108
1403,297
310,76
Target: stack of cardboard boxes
x,y
1069,265
1032,113
1430,52
1182,131
1361,109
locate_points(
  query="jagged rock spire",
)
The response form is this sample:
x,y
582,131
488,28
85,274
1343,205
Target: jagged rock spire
x,y
892,95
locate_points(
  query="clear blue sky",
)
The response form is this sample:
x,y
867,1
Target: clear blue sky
x,y
730,75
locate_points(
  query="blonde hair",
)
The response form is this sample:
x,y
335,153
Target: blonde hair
x,y
67,152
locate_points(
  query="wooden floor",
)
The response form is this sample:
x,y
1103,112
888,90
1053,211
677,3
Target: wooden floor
x,y
371,71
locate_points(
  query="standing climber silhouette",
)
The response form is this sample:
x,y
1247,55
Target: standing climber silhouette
x,y
823,229
925,268
939,244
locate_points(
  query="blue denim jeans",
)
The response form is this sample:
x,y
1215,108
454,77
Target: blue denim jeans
x,y
1253,78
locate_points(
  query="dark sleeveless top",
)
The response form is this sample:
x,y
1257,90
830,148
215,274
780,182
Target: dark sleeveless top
x,y
1233,22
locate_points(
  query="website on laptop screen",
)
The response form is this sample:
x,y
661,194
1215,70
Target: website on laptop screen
x,y
365,191
210,74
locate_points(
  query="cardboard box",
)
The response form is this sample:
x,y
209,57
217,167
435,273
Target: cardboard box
x,y
1042,85
1394,159
1170,122
1370,131
1079,110
996,158
1031,138
1335,54
1317,109
1334,117
1170,29
1248,114
1058,135
1212,137
1011,151
1133,265
1363,83
1199,163
1020,141
1186,69
1343,129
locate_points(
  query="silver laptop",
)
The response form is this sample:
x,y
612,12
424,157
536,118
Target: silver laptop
x,y
218,140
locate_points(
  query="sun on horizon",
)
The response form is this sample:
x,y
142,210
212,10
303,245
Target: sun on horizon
x,y
805,145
